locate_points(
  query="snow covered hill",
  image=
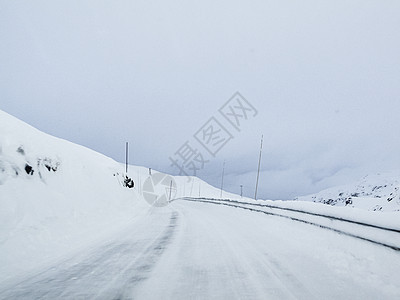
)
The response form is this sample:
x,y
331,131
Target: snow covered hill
x,y
56,196
378,192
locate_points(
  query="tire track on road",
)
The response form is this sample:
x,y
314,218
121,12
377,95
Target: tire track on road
x,y
112,271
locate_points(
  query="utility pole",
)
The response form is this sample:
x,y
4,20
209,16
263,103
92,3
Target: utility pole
x,y
199,187
126,158
258,171
222,181
191,188
170,191
241,191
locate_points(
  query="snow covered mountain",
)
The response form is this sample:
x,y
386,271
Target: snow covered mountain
x,y
377,192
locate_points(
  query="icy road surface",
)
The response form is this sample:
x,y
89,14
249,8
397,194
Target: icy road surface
x,y
191,250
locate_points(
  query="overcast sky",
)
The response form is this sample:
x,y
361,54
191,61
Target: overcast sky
x,y
323,76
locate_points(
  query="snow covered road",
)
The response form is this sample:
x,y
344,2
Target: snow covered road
x,y
205,251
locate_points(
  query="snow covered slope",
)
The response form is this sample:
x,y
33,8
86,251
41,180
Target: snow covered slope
x,y
56,196
378,192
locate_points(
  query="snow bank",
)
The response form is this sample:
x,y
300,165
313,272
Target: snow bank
x,y
55,197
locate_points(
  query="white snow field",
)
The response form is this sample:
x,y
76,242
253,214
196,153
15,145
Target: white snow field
x,y
377,192
70,230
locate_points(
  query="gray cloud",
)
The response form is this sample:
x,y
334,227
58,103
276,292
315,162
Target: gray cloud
x,y
323,76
